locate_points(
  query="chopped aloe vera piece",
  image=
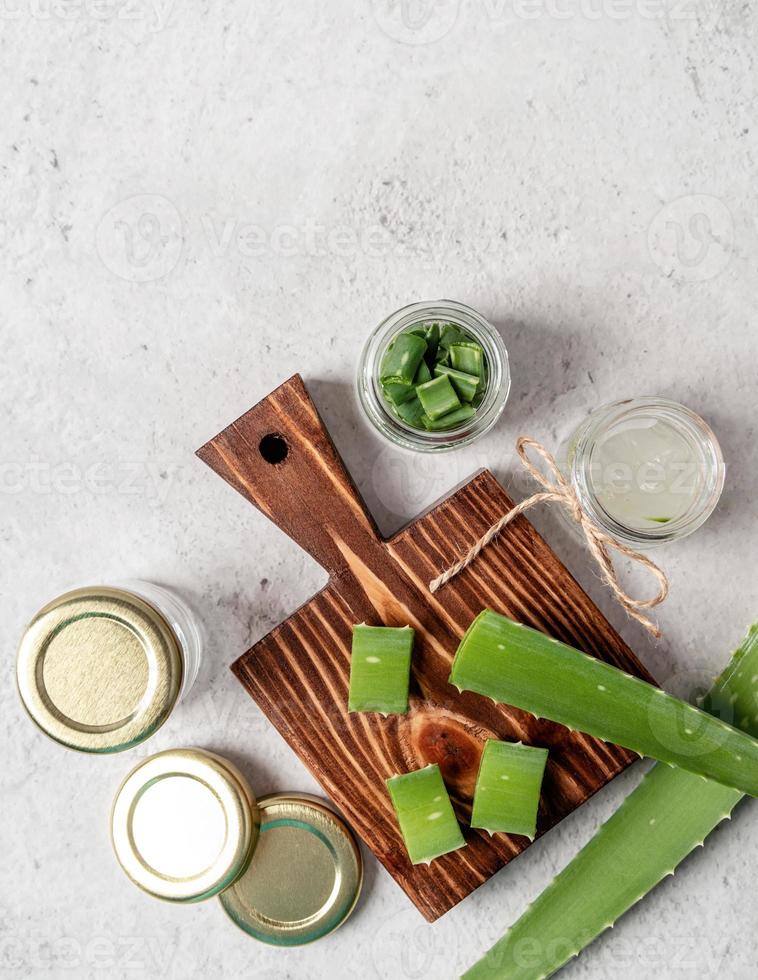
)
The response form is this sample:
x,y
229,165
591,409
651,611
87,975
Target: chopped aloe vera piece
x,y
451,334
432,341
425,814
411,412
466,385
418,329
438,397
457,417
402,358
423,374
516,665
398,393
468,358
508,786
380,669
442,356
659,824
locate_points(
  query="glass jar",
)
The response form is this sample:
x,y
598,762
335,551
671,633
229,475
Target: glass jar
x,y
646,470
100,668
498,381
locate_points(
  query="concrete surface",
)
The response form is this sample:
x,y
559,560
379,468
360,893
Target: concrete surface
x,y
198,200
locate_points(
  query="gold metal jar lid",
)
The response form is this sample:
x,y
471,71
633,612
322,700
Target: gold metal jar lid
x,y
99,669
184,824
304,878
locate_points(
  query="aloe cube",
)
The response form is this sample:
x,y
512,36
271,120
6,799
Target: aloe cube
x,y
516,665
450,334
468,358
423,374
401,359
659,824
380,665
438,397
466,385
457,417
398,393
411,411
425,814
432,341
508,785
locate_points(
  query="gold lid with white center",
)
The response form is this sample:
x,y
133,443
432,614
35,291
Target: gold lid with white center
x,y
99,669
184,825
305,876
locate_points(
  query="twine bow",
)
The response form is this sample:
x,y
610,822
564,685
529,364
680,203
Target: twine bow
x,y
557,488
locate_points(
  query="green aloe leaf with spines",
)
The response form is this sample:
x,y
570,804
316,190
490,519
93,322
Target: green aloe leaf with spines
x,y
516,665
670,814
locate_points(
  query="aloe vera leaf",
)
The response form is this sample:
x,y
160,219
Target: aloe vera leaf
x,y
438,397
380,666
516,665
662,821
508,784
466,385
425,814
401,359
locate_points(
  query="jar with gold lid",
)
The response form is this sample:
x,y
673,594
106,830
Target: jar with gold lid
x,y
100,668
185,827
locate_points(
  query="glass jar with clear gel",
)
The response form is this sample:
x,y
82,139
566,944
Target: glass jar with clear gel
x,y
646,470
495,396
101,668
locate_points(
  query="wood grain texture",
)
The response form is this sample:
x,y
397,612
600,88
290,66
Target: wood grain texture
x,y
299,673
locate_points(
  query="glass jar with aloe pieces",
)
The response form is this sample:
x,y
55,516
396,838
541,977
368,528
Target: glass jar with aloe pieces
x,y
433,376
645,470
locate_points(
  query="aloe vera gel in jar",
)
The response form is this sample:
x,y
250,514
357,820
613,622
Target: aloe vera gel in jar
x,y
645,470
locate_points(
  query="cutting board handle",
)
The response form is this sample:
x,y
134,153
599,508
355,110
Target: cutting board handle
x,y
281,458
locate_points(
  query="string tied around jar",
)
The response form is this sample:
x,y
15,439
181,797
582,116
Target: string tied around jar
x,y
558,489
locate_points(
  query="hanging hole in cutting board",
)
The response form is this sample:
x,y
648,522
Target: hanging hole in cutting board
x,y
273,448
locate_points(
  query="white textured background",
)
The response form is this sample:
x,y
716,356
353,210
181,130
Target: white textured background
x,y
199,199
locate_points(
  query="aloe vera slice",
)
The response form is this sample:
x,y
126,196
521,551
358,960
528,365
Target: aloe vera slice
x,y
662,821
468,358
516,665
411,411
438,397
457,417
451,334
508,784
423,374
466,385
380,666
398,393
401,359
425,814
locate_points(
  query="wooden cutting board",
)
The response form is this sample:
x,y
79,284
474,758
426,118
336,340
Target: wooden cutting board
x,y
281,458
